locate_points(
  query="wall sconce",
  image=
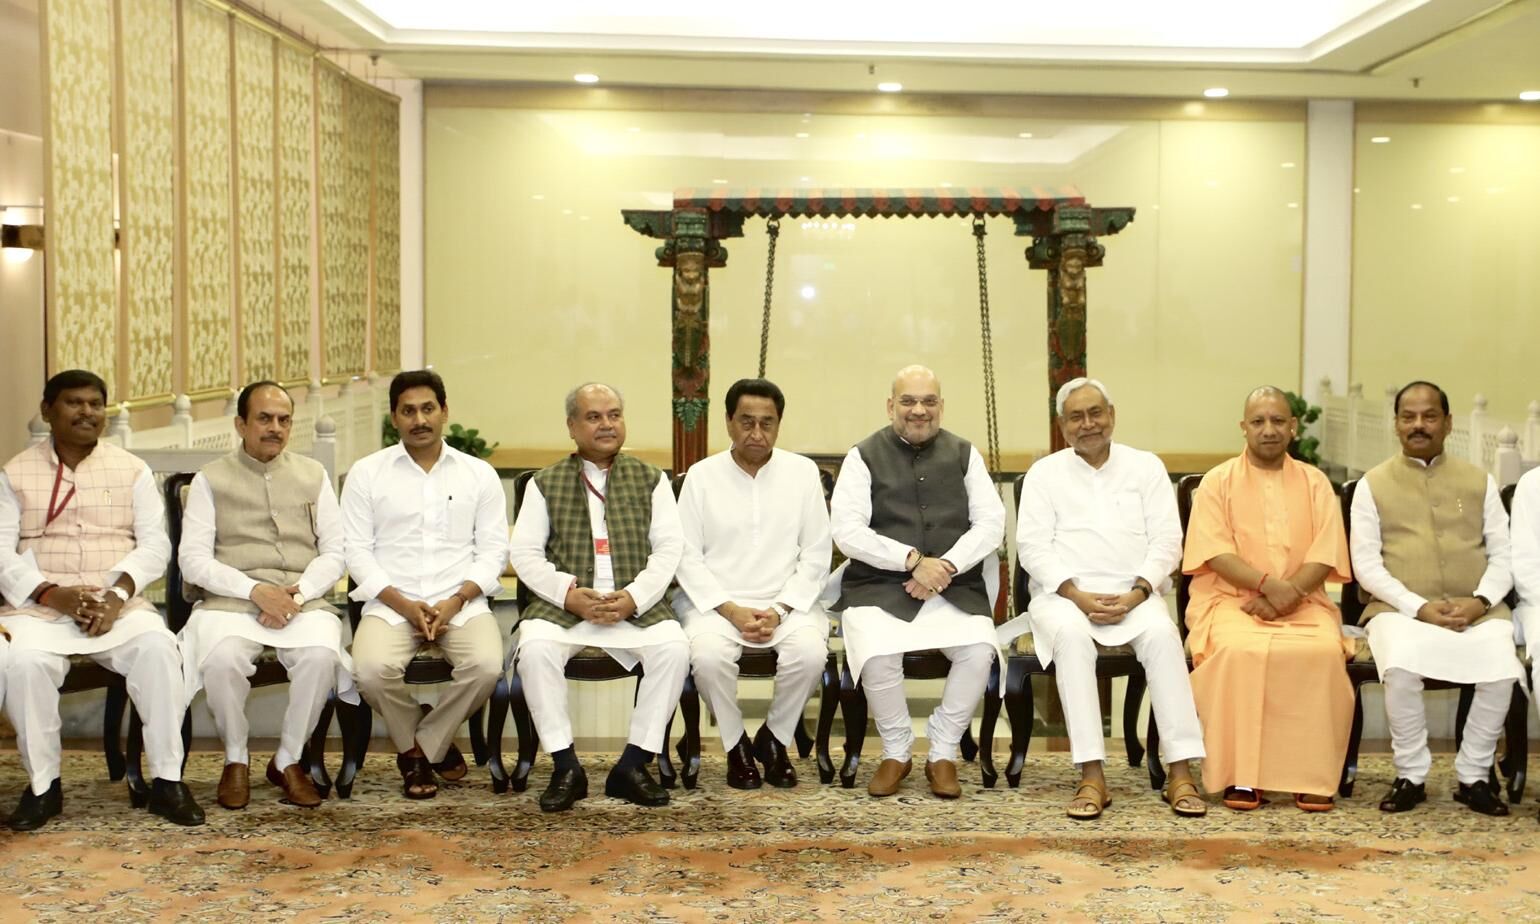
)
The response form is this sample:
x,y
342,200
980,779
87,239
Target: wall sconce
x,y
19,242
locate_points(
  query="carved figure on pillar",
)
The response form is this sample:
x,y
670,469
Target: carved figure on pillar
x,y
691,369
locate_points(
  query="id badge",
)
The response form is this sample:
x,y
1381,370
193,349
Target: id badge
x,y
602,546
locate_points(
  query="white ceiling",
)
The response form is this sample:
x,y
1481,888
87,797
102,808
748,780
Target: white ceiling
x,y
1364,49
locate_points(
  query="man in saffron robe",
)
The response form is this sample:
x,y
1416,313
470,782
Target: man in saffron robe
x,y
1264,536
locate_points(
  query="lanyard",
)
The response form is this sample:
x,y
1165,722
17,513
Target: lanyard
x,y
53,512
590,486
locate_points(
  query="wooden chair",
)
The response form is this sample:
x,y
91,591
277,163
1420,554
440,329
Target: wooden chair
x,y
588,664
761,663
269,670
1119,661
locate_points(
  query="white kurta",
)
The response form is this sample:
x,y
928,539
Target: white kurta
x,y
526,552
207,626
753,540
424,533
1100,528
1399,640
870,631
1525,530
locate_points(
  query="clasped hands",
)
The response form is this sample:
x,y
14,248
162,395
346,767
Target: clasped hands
x,y
275,604
604,609
94,609
928,577
1455,613
1103,609
427,618
755,625
1275,599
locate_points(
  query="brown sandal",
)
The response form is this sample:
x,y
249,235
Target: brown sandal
x,y
1176,791
1090,798
452,767
1303,806
416,777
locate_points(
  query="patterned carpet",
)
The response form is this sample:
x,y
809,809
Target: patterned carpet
x,y
809,854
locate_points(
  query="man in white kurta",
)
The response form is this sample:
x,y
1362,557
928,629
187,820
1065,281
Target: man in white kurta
x,y
918,515
82,533
1099,535
756,557
261,546
425,537
597,541
1429,543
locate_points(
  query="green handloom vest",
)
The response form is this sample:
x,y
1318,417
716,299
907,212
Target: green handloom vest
x,y
570,544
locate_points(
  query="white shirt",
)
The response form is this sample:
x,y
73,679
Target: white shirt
x,y
1526,538
195,553
1100,528
19,575
850,517
423,533
531,530
1369,564
761,537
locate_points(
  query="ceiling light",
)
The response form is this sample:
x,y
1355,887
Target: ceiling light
x,y
634,128
804,179
946,185
1023,134
538,196
809,293
566,211
1216,92
1530,96
1456,169
1417,206
889,86
802,134
1380,139
1454,198
1293,205
720,182
1287,165
586,78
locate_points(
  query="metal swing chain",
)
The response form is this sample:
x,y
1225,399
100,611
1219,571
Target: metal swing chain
x,y
987,336
772,228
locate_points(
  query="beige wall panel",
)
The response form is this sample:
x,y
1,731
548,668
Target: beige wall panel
x,y
1446,286
387,235
206,226
147,55
82,288
255,193
343,178
535,284
296,178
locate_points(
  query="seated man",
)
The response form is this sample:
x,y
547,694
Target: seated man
x,y
82,532
596,541
1430,547
1525,528
425,535
917,514
756,550
261,546
1264,536
1098,534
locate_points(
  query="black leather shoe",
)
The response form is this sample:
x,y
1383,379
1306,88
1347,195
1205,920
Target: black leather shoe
x,y
772,754
173,801
1404,795
1481,798
33,811
635,785
741,772
565,788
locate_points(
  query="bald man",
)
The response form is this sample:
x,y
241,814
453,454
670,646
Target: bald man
x,y
1264,536
597,541
919,518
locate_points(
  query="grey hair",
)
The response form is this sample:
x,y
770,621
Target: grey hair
x,y
1074,385
572,397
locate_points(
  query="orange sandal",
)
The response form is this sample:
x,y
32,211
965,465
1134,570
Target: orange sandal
x,y
1234,799
1302,805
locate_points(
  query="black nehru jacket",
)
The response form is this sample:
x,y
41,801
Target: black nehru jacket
x,y
919,498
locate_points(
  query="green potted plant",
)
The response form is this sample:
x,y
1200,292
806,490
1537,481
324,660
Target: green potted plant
x,y
1302,447
467,441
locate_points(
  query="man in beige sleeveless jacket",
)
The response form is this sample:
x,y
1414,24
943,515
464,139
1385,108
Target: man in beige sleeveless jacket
x,y
1429,543
261,546
82,533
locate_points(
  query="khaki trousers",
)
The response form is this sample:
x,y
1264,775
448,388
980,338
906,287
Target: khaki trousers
x,y
381,652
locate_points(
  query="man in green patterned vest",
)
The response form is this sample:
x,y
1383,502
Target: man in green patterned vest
x,y
1429,544
596,543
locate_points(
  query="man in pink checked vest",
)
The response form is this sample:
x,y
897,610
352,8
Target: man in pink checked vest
x,y
82,533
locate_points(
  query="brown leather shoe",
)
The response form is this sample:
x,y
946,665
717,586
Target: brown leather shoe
x,y
295,783
889,774
235,786
943,778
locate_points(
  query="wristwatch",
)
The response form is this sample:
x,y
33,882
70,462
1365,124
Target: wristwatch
x,y
780,611
120,592
1486,605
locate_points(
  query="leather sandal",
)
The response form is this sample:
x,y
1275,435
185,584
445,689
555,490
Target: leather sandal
x,y
416,777
1090,798
1242,799
1303,806
453,767
1176,791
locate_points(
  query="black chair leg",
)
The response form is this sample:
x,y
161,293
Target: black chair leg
x,y
497,715
186,738
668,777
689,710
477,725
853,706
1355,736
1152,754
314,757
357,726
1462,712
1516,758
987,727
524,727
1133,698
828,702
967,745
133,765
112,730
1018,708
803,740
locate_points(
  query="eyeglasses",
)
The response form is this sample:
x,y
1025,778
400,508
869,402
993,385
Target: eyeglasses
x,y
930,402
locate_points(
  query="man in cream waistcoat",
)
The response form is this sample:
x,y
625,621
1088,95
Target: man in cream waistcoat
x,y
1429,544
261,545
